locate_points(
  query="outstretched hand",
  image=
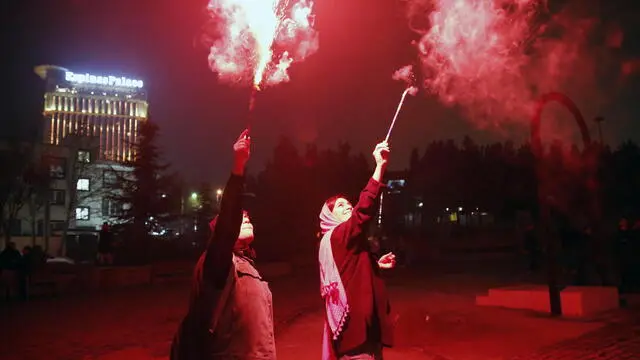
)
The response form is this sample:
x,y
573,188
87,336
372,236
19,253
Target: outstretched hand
x,y
381,153
387,261
241,150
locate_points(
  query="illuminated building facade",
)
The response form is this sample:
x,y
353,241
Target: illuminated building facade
x,y
108,108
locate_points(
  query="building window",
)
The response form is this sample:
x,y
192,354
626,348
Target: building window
x,y
58,197
84,156
83,184
105,207
56,227
83,213
110,208
109,178
57,167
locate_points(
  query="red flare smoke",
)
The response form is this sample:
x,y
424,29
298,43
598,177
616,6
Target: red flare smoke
x,y
492,58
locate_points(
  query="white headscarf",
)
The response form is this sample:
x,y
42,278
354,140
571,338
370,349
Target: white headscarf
x,y
331,287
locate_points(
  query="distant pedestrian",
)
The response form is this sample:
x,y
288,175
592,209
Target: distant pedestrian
x,y
634,238
10,261
105,245
623,255
25,270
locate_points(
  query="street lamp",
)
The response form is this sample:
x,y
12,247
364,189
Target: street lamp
x,y
194,196
547,195
218,197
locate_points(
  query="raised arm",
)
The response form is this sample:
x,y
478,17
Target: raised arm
x,y
365,209
218,255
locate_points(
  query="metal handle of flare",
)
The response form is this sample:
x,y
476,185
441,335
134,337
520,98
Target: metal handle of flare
x,y
410,90
252,101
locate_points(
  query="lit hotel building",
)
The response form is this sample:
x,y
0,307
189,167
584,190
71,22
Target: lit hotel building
x,y
108,108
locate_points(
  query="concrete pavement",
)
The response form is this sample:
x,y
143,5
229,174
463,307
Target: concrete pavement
x,y
437,320
134,323
611,342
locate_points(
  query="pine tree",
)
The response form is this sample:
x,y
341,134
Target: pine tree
x,y
139,194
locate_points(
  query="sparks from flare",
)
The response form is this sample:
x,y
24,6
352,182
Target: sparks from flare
x,y
257,40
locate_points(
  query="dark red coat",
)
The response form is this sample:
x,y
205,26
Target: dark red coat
x,y
369,319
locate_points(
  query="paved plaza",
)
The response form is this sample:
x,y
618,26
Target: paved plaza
x,y
435,311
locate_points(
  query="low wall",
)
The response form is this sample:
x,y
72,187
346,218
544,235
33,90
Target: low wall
x,y
90,278
52,248
576,301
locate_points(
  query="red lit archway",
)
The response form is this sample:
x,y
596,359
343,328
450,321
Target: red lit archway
x,y
546,190
536,140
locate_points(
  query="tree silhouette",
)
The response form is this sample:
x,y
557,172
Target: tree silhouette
x,y
16,163
139,194
290,192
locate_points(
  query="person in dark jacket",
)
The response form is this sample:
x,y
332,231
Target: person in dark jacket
x,y
357,322
623,255
10,260
105,245
230,314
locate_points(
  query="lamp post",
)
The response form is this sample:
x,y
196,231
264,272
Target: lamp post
x,y
218,198
599,120
547,195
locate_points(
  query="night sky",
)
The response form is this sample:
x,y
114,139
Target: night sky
x,y
342,93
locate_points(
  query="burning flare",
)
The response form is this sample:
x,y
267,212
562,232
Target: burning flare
x,y
411,90
406,75
259,39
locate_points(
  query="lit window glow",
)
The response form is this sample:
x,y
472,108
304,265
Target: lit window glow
x,y
82,213
83,185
